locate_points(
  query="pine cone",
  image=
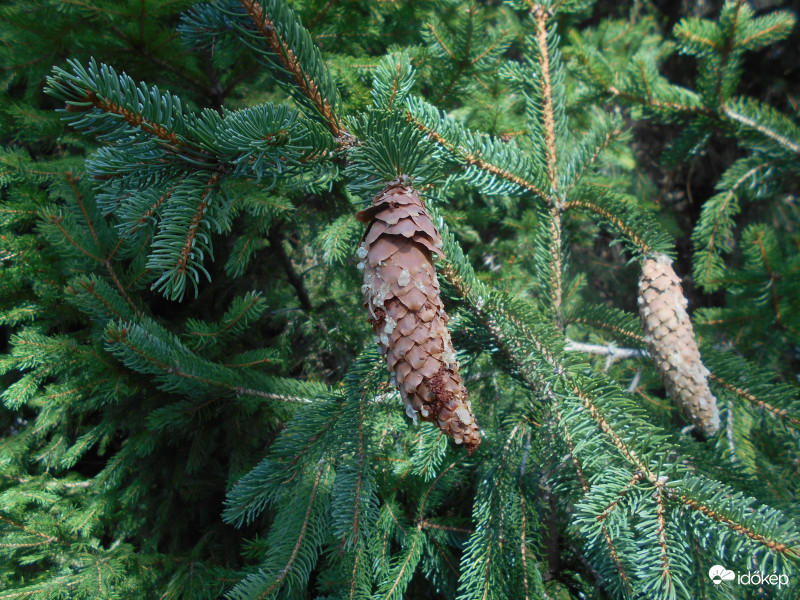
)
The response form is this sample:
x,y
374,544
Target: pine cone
x,y
672,344
401,292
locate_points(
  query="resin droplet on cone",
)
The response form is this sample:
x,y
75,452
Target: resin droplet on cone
x,y
671,341
401,292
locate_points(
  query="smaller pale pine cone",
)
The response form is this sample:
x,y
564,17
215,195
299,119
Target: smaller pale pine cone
x,y
671,342
401,292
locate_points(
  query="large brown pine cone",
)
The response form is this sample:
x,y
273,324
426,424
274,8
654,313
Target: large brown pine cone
x,y
672,344
401,292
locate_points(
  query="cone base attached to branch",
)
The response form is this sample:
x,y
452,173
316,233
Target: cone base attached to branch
x,y
672,344
401,292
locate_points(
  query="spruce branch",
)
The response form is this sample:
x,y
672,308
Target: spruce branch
x,y
672,100
726,59
621,324
642,233
779,413
766,121
480,572
462,62
523,547
149,216
714,231
609,508
666,572
612,550
94,94
287,564
73,232
400,575
490,308
355,498
242,313
290,61
494,162
585,154
148,348
177,251
731,510
540,16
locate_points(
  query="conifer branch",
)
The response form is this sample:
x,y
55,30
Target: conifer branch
x,y
705,268
57,221
412,555
194,225
606,83
462,63
540,16
355,564
666,573
612,218
282,574
90,288
291,63
571,448
251,300
519,356
48,539
725,53
151,212
169,139
121,335
634,336
604,514
473,159
360,476
657,104
779,413
433,485
586,489
106,262
523,548
782,140
792,552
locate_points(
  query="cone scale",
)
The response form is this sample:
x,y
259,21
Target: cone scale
x,y
671,342
401,293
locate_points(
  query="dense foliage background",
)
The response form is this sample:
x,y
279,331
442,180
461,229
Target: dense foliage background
x,y
225,427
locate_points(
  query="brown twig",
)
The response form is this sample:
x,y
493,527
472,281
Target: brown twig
x,y
194,226
540,16
291,63
484,165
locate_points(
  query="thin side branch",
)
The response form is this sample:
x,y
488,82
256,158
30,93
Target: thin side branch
x,y
779,413
471,159
770,133
608,350
540,16
611,218
291,63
